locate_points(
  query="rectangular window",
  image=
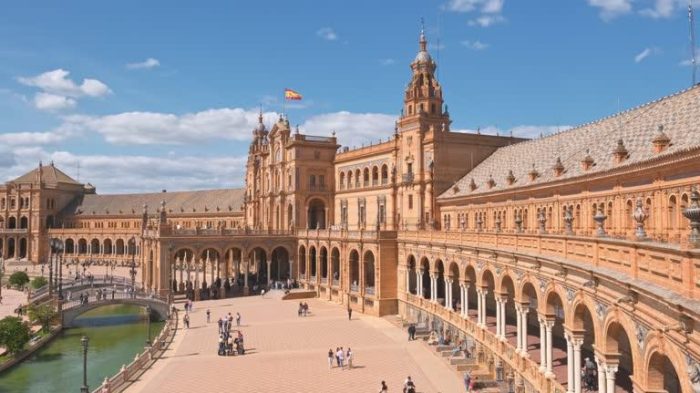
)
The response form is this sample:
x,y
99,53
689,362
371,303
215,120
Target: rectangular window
x,y
321,180
410,167
410,202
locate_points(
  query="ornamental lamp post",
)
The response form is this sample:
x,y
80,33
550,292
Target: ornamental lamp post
x,y
132,250
2,270
59,257
148,325
84,343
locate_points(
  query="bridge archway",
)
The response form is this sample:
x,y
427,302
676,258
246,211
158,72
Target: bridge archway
x,y
425,278
369,267
335,265
354,262
617,344
158,308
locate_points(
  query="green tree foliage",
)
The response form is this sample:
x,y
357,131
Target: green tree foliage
x,y
14,334
19,279
42,314
39,282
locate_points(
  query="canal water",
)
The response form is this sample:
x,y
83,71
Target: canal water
x,y
116,334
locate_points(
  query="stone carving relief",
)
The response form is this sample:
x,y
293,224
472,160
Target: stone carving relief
x,y
693,374
570,294
641,332
543,284
601,309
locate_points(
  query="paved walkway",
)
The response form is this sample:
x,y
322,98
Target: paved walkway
x,y
287,353
10,300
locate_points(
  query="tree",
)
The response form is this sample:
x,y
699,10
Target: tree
x,y
14,334
39,282
42,314
19,279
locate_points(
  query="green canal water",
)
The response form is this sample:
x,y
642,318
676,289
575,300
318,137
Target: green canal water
x,y
116,334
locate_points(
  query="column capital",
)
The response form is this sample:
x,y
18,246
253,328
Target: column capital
x,y
610,370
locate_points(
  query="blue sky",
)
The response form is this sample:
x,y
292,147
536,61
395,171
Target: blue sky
x,y
164,94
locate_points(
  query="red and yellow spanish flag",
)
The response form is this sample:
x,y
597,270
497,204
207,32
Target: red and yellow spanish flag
x,y
290,94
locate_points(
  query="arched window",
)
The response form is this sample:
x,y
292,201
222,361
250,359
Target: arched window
x,y
375,176
341,180
366,177
385,174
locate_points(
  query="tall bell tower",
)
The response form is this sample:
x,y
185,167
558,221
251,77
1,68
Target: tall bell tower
x,y
423,123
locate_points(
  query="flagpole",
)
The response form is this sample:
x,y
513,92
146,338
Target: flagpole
x,y
284,103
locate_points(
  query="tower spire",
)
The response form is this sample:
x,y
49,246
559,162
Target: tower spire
x,y
422,41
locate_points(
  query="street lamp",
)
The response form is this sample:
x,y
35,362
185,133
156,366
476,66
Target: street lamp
x,y
84,342
56,247
148,324
59,257
132,249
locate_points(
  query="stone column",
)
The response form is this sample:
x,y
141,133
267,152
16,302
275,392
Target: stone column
x,y
504,300
461,299
602,388
570,371
543,346
466,301
269,270
433,289
483,307
610,371
479,306
548,326
408,279
498,317
448,293
523,329
578,342
518,328
245,276
419,283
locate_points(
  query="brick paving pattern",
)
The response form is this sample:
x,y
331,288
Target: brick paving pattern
x,y
289,353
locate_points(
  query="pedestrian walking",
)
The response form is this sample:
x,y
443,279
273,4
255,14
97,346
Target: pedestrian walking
x,y
383,388
238,319
349,313
348,356
330,359
341,355
467,380
187,321
208,316
337,356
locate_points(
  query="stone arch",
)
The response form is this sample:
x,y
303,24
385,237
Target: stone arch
x,y
618,348
313,261
554,304
365,177
11,248
316,216
439,271
82,246
341,180
302,261
70,246
385,174
23,248
11,222
107,246
280,268
369,270
425,278
488,284
94,246
661,374
335,265
358,175
354,270
412,282
257,264
323,261
24,222
349,179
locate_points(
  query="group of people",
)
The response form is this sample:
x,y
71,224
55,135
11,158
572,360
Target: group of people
x,y
228,344
341,357
471,384
303,309
408,386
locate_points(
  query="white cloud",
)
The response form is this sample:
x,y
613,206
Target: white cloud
x,y
57,82
52,102
484,6
327,34
487,20
145,174
475,45
352,129
59,92
146,64
610,9
143,128
664,8
646,53
386,62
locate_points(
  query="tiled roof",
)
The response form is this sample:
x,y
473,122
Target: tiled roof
x,y
182,202
49,175
637,128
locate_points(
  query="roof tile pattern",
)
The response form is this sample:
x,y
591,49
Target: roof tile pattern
x,y
679,114
49,175
183,202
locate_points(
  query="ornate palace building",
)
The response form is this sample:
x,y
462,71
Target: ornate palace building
x,y
583,244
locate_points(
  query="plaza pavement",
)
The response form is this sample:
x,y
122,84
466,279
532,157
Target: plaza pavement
x,y
287,353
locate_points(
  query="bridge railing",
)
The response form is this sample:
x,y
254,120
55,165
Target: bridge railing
x,y
128,373
116,295
72,284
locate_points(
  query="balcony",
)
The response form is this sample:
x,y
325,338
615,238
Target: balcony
x,y
13,231
354,288
324,280
369,291
336,283
407,178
